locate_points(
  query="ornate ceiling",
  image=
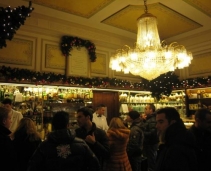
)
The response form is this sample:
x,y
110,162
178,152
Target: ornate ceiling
x,y
176,18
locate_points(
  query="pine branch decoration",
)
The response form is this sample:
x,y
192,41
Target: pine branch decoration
x,y
11,20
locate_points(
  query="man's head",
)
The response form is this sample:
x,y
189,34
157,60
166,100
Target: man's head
x,y
84,116
132,115
5,117
149,109
203,119
60,120
165,117
100,109
7,103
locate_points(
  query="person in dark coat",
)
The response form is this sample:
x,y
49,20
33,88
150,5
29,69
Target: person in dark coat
x,y
176,150
95,138
136,138
150,137
62,151
8,157
26,140
202,132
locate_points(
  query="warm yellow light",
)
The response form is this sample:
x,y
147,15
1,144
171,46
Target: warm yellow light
x,y
150,58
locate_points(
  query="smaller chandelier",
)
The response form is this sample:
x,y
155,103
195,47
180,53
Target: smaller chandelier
x,y
150,58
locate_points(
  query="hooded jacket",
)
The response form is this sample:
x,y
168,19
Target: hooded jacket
x,y
63,152
177,154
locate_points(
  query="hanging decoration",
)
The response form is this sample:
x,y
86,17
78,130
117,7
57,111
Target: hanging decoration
x,y
163,85
68,42
149,49
11,19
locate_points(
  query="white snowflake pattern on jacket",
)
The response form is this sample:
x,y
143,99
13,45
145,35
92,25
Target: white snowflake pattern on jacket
x,y
63,150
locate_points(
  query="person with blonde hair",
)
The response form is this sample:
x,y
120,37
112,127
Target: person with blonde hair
x,y
26,140
118,135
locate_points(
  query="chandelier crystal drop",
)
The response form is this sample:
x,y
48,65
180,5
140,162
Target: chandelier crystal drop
x,y
150,58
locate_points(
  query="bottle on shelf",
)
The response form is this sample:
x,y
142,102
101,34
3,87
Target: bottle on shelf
x,y
45,96
1,93
27,97
199,105
6,94
91,94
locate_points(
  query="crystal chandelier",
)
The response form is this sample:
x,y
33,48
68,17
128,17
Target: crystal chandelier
x,y
150,58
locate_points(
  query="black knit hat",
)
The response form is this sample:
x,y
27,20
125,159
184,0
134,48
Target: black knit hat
x,y
134,114
7,101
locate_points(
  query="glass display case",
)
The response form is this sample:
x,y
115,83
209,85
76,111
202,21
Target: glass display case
x,y
198,98
41,102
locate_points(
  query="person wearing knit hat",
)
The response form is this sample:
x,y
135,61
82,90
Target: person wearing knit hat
x,y
134,114
135,143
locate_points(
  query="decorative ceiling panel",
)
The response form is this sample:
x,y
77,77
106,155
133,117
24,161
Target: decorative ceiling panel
x,y
170,23
202,5
82,8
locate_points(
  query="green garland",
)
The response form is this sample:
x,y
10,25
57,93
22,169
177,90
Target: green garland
x,y
11,19
67,43
163,85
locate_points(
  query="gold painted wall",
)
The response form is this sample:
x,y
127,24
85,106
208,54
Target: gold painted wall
x,y
18,51
200,65
53,57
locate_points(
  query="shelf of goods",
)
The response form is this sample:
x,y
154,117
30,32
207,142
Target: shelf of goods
x,y
134,100
176,99
40,102
198,98
138,101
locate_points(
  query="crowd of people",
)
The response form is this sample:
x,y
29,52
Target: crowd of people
x,y
154,141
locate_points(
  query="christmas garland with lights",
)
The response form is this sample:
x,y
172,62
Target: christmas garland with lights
x,y
68,42
163,85
11,20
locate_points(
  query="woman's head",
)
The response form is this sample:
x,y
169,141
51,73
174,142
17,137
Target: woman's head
x,y
27,127
27,124
116,123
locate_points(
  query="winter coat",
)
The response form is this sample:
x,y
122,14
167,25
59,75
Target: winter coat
x,y
150,132
101,147
203,147
177,154
135,144
136,138
8,155
24,148
63,152
118,139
